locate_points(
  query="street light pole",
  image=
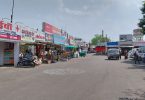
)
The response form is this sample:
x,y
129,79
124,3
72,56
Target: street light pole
x,y
12,11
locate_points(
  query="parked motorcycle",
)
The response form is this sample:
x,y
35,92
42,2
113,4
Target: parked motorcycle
x,y
26,62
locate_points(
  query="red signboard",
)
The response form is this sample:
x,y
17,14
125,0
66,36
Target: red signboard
x,y
7,26
9,31
50,29
47,28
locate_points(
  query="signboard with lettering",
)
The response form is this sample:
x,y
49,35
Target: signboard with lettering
x,y
139,43
40,36
126,43
57,39
112,44
48,37
47,28
9,31
28,34
72,42
126,37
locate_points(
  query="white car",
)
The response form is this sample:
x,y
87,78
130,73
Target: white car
x,y
142,52
131,53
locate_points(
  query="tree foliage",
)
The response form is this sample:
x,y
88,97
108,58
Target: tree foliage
x,y
99,39
141,24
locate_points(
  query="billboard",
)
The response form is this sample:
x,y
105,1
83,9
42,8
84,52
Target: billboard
x,y
126,37
47,28
57,39
28,34
9,31
40,36
112,44
48,37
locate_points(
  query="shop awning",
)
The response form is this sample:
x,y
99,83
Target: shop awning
x,y
70,46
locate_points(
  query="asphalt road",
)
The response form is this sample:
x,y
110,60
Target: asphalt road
x,y
90,78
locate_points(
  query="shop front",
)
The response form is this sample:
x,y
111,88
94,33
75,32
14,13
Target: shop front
x,y
49,41
59,40
40,43
128,45
27,40
58,44
9,42
139,44
126,42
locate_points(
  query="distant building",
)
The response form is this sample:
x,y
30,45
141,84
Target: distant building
x,y
137,35
138,38
81,43
126,42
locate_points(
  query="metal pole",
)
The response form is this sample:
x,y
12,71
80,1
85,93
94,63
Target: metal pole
x,y
12,11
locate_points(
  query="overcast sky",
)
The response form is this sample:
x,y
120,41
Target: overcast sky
x,y
80,18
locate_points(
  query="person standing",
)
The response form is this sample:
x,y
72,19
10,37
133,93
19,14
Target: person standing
x,y
136,56
125,54
120,54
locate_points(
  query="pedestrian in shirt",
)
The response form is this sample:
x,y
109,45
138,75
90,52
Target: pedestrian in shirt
x,y
136,56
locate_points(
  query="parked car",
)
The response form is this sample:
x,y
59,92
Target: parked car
x,y
142,52
113,54
131,53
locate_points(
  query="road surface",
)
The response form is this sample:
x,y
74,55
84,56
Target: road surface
x,y
90,78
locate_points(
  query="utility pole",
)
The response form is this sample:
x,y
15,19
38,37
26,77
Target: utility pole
x,y
102,33
12,11
106,38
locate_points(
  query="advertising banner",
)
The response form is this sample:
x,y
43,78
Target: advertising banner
x,y
128,43
48,37
139,43
40,36
72,42
126,37
112,44
64,33
9,31
47,28
28,34
57,39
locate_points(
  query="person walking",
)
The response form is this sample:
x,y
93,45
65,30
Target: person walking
x,y
136,56
120,54
125,54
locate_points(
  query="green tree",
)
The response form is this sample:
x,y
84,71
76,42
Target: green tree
x,y
99,39
141,24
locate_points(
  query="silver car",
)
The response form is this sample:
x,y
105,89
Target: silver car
x,y
113,54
